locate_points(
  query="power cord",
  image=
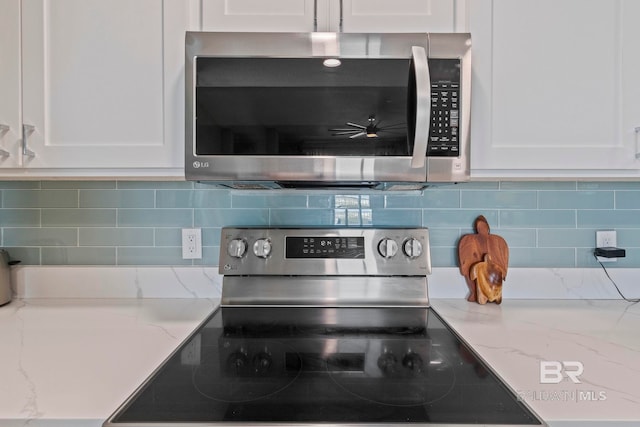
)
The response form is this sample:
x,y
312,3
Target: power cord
x,y
636,300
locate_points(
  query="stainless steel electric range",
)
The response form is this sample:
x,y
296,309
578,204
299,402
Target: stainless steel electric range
x,y
323,326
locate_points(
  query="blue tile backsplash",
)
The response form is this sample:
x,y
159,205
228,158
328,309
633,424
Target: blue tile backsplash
x,y
546,224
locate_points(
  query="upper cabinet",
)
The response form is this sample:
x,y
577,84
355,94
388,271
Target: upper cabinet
x,y
556,91
101,84
398,16
10,121
259,15
331,15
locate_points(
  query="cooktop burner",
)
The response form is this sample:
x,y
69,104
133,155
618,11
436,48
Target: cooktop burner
x,y
303,364
245,374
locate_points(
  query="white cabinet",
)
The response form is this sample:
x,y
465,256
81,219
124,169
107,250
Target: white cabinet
x,y
630,81
258,15
555,87
331,15
102,85
399,16
10,120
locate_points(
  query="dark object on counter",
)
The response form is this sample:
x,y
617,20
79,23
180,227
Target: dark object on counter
x,y
610,252
5,277
483,260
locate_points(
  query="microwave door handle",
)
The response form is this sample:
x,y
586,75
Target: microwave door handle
x,y
423,106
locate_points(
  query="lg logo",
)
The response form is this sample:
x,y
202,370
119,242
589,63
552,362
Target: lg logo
x,y
552,372
197,164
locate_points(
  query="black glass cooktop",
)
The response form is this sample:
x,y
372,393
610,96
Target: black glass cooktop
x,y
324,365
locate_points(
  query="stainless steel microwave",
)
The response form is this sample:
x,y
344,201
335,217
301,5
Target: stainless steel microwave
x,y
273,110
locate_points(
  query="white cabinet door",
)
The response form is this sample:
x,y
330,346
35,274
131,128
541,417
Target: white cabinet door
x,y
631,77
398,16
551,86
102,82
261,15
10,83
404,16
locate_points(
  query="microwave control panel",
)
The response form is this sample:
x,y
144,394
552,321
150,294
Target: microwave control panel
x,y
444,135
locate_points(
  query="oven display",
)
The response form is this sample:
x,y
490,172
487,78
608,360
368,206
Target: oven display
x,y
325,247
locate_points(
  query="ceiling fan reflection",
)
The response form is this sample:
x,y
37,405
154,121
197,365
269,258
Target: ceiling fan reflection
x,y
371,130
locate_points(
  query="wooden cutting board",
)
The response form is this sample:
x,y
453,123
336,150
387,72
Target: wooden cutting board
x,y
483,259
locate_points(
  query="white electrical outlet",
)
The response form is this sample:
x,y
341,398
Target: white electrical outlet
x,y
191,243
606,239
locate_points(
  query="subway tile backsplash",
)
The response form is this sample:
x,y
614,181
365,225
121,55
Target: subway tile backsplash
x,y
546,224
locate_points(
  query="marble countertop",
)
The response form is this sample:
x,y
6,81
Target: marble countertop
x,y
72,362
600,338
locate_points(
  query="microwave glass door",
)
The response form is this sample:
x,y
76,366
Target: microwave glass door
x,y
300,107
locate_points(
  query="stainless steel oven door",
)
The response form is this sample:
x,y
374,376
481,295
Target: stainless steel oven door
x,y
324,107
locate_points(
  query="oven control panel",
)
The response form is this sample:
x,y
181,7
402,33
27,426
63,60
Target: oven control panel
x,y
331,251
336,247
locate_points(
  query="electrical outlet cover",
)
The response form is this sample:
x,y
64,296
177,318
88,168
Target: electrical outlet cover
x,y
606,239
191,243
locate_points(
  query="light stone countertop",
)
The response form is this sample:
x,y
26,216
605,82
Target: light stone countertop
x,y
72,362
76,342
600,336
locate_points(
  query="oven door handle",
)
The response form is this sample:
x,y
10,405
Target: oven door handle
x,y
423,106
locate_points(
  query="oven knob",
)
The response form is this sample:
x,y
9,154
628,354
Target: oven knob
x,y
237,248
238,362
387,363
412,248
262,248
262,362
413,362
387,247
